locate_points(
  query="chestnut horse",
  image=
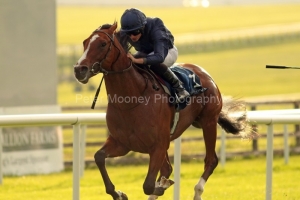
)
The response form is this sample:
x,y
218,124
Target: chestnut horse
x,y
143,122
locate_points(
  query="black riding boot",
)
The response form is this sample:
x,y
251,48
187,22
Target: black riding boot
x,y
169,76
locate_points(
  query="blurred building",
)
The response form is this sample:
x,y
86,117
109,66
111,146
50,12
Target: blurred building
x,y
29,85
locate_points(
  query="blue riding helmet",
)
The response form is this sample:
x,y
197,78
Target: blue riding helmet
x,y
132,19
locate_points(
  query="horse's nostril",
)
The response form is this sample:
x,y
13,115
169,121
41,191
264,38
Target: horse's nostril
x,y
81,69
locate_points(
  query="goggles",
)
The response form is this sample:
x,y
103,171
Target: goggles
x,y
134,33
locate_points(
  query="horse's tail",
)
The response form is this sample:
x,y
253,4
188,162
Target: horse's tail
x,y
233,119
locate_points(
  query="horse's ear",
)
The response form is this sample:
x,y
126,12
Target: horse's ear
x,y
84,41
113,27
115,24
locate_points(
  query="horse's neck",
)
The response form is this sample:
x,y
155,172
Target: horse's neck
x,y
125,86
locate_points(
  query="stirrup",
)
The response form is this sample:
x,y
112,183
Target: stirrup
x,y
181,96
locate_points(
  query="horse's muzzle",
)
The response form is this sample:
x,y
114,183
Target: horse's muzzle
x,y
81,73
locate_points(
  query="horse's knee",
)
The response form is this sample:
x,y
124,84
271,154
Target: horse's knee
x,y
148,188
100,157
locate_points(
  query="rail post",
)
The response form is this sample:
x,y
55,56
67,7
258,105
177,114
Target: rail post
x,y
82,148
1,152
76,161
223,148
269,162
177,162
297,127
254,128
286,150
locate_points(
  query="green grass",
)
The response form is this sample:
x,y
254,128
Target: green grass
x,y
239,180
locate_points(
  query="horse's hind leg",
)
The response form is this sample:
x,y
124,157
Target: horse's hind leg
x,y
211,160
110,149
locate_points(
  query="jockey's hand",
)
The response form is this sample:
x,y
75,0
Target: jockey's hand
x,y
135,60
130,56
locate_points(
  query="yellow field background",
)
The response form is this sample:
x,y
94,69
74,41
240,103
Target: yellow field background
x,y
238,72
75,23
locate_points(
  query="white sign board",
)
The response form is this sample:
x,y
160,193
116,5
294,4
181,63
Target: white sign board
x,y
31,150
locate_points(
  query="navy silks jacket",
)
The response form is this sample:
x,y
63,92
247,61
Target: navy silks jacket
x,y
155,38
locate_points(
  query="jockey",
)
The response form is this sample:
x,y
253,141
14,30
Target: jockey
x,y
154,44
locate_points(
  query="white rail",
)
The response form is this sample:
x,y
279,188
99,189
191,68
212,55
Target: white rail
x,y
56,119
257,117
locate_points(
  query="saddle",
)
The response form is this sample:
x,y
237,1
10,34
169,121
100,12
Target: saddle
x,y
191,82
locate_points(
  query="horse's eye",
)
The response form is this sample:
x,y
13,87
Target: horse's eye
x,y
103,44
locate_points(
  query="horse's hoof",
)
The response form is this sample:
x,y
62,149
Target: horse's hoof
x,y
162,186
122,196
152,197
159,191
165,183
197,198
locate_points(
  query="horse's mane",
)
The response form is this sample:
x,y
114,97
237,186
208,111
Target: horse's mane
x,y
122,37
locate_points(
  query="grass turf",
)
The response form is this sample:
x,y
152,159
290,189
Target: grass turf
x,y
239,180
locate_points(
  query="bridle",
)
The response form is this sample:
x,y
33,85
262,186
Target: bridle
x,y
104,71
101,69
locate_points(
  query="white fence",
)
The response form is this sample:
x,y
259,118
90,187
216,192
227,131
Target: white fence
x,y
79,122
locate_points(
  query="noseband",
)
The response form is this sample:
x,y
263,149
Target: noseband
x,y
101,69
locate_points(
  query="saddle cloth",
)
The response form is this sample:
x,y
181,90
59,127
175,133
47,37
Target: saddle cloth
x,y
191,82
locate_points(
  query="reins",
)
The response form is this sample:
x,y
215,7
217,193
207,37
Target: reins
x,y
99,87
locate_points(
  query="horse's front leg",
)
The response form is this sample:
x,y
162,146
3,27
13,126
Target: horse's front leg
x,y
111,148
166,169
163,181
157,157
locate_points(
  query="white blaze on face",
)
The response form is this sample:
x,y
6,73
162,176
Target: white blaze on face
x,y
87,49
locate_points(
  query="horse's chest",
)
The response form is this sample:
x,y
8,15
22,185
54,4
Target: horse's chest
x,y
134,132
141,128
139,139
131,122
